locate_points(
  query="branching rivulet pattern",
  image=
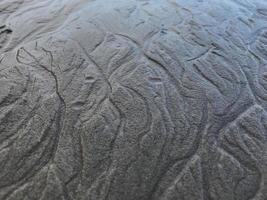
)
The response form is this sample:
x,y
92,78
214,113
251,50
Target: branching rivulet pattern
x,y
136,100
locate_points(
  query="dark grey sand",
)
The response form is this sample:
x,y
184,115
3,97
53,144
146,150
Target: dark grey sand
x,y
133,100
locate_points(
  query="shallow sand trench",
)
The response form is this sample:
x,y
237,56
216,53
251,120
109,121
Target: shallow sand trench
x,y
133,100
